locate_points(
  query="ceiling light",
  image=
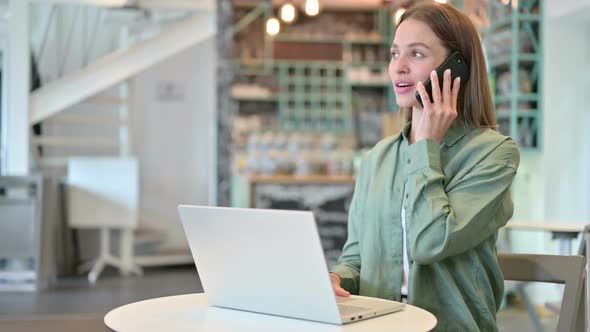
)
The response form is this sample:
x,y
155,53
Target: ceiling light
x,y
273,26
288,13
312,7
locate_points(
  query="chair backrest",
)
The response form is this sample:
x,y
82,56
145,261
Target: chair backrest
x,y
568,270
582,250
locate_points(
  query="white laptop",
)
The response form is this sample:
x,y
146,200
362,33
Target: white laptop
x,y
271,262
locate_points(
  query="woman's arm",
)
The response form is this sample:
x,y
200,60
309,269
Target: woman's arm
x,y
443,224
349,264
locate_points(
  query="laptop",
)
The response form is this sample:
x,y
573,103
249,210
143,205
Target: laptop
x,y
270,262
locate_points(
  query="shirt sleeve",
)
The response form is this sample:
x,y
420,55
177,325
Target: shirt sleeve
x,y
443,224
349,263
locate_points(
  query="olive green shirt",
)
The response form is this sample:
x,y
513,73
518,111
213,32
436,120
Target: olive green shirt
x,y
456,196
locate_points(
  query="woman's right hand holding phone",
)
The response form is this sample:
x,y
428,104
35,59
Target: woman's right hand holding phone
x,y
336,285
438,116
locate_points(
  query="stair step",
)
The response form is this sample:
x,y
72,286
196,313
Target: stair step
x,y
87,119
64,141
59,161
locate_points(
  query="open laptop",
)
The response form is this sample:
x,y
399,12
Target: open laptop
x,y
271,262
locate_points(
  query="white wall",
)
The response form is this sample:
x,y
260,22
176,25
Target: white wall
x,y
174,138
561,8
529,194
567,119
554,185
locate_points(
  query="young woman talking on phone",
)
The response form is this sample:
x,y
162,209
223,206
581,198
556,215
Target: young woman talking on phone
x,y
429,201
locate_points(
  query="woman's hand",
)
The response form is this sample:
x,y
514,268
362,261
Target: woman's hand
x,y
336,285
438,116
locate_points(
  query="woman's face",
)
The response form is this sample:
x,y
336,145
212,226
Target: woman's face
x,y
415,52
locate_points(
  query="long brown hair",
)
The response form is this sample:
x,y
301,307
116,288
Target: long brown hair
x,y
457,33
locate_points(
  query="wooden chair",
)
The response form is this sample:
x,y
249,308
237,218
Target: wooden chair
x,y
567,270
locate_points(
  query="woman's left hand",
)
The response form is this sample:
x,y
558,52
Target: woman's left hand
x,y
438,116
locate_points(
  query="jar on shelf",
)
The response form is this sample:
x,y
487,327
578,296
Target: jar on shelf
x,y
334,164
328,143
253,141
317,164
252,162
284,164
267,163
346,160
303,164
295,144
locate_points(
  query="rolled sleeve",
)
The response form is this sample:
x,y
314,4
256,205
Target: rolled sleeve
x,y
441,223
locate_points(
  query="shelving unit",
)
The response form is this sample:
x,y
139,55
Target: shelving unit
x,y
305,98
313,97
315,93
322,76
513,42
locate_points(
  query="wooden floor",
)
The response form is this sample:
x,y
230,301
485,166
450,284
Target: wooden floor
x,y
75,305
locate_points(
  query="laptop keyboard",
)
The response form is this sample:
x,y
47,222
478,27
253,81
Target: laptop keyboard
x,y
346,309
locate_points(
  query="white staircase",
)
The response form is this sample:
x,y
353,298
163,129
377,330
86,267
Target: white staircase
x,y
87,111
99,126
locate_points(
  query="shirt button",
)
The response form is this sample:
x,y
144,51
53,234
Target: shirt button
x,y
407,196
409,161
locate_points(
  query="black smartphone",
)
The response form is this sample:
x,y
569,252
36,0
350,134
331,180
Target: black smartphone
x,y
458,67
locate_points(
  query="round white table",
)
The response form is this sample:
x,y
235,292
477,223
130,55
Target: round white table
x,y
191,313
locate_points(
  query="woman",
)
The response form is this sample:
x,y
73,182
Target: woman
x,y
429,201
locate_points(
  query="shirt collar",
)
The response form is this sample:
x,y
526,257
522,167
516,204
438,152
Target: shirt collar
x,y
405,133
453,135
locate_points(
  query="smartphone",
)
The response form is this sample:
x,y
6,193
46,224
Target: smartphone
x,y
458,67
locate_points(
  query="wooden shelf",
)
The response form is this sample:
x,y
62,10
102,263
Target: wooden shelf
x,y
308,39
520,114
308,179
360,84
507,21
506,60
511,28
531,97
367,41
372,65
272,98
